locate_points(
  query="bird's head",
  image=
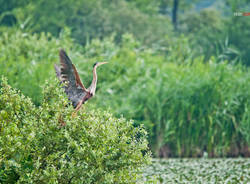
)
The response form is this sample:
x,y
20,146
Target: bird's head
x,y
99,64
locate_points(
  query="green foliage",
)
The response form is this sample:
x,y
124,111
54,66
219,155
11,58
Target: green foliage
x,y
11,4
212,34
27,60
205,31
213,31
46,145
147,6
238,34
187,106
92,19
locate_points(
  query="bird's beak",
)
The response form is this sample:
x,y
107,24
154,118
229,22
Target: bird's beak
x,y
101,63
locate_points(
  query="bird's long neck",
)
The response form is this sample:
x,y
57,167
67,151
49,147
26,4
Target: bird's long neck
x,y
92,87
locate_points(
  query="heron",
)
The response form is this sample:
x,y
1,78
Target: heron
x,y
73,86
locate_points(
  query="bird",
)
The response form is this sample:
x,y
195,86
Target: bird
x,y
73,86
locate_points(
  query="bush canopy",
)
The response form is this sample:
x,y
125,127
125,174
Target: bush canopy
x,y
46,145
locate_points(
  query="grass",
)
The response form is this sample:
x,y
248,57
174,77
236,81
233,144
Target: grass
x,y
228,170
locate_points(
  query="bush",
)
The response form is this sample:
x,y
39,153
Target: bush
x,y
46,145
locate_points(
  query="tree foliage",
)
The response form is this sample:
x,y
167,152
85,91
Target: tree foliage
x,y
46,145
92,19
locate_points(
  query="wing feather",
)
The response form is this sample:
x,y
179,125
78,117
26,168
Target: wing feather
x,y
68,75
78,80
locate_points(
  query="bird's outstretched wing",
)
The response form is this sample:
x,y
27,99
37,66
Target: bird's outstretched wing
x,y
68,75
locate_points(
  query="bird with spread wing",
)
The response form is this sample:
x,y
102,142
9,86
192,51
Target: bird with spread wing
x,y
74,88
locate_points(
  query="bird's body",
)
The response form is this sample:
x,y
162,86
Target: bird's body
x,y
75,90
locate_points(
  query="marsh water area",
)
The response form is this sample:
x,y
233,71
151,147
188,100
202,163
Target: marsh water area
x,y
217,170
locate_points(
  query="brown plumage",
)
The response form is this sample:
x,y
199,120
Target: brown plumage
x,y
74,88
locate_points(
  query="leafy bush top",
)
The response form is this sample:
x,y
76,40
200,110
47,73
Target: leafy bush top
x,y
94,147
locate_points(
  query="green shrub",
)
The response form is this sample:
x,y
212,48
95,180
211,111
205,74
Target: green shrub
x,y
94,147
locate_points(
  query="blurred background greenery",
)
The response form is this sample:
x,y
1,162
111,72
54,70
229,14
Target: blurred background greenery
x,y
181,68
